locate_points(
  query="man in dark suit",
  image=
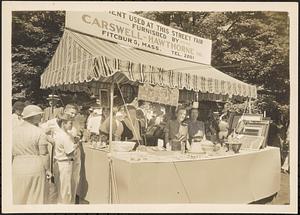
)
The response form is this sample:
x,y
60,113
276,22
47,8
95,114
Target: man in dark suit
x,y
52,111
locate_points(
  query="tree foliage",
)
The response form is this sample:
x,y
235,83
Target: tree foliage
x,y
35,36
250,46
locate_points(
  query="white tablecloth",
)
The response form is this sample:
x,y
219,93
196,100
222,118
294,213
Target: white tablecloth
x,y
238,178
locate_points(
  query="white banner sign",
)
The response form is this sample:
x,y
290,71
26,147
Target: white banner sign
x,y
135,31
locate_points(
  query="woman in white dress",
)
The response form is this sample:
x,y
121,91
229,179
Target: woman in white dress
x,y
30,159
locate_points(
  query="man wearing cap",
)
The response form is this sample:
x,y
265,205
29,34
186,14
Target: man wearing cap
x,y
30,162
17,110
52,111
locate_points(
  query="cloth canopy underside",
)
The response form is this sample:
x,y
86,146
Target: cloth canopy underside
x,y
81,60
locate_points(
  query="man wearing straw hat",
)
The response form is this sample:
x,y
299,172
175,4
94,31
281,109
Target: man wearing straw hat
x,y
52,111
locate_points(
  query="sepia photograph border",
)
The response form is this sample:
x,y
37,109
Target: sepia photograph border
x,y
8,7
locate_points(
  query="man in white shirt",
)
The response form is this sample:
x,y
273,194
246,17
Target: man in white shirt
x,y
51,128
64,157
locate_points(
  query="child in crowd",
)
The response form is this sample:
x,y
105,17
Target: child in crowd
x,y
64,157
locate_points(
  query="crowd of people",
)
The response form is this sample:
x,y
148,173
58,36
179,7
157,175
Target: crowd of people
x,y
46,143
46,152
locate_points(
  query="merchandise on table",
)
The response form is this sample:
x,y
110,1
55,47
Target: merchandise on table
x,y
122,146
249,135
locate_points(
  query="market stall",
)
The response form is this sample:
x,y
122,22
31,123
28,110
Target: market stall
x,y
105,50
170,177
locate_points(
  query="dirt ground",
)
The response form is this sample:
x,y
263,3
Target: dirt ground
x,y
283,196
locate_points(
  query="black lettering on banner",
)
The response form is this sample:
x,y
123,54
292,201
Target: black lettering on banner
x,y
95,22
136,20
84,18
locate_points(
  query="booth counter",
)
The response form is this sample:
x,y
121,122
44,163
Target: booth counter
x,y
170,177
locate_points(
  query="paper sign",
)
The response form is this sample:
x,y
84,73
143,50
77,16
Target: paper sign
x,y
158,94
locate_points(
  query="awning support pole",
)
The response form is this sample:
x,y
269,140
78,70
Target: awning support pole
x,y
51,105
110,197
250,108
111,112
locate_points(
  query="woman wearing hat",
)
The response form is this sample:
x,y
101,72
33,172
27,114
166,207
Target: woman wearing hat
x,y
30,159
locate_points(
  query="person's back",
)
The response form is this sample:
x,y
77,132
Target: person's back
x,y
274,137
29,159
25,139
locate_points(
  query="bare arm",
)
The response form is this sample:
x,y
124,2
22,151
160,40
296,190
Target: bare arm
x,y
167,133
43,151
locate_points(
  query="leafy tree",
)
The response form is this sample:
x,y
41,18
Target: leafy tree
x,y
250,46
35,36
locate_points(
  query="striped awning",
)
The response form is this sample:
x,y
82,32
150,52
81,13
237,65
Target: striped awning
x,y
83,59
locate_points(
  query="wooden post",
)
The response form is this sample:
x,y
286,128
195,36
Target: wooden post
x,y
250,111
110,186
111,113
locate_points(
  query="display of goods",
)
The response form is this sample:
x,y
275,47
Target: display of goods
x,y
175,145
198,138
207,146
236,147
196,147
233,146
122,146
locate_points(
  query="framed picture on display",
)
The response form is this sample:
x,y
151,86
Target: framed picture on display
x,y
128,92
